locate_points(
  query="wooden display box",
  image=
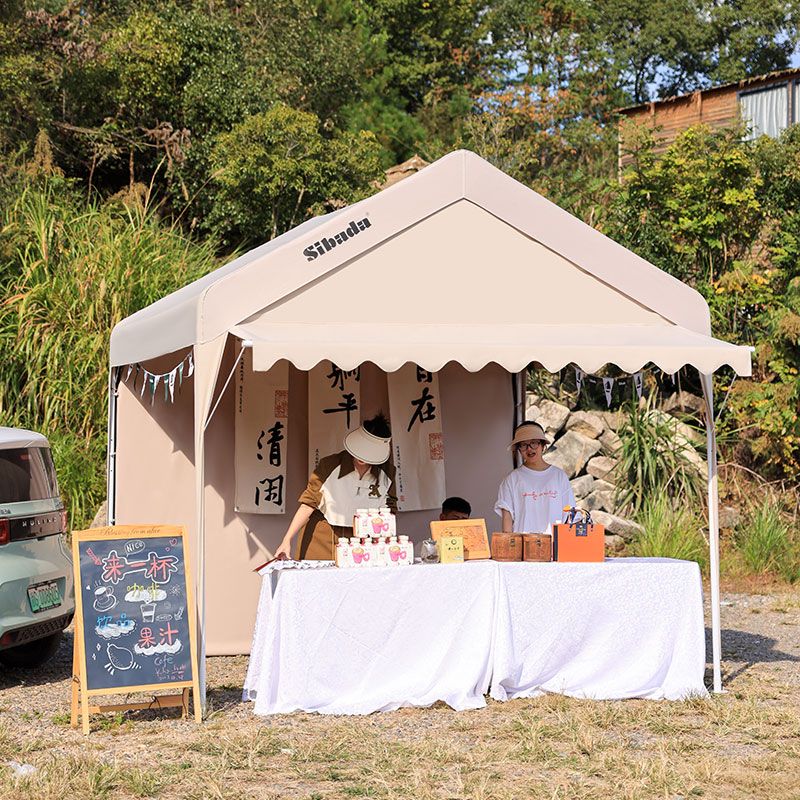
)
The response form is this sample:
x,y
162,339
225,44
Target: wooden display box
x,y
473,531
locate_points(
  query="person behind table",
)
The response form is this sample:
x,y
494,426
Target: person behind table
x,y
357,477
455,508
532,497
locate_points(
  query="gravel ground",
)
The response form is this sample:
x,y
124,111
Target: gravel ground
x,y
760,642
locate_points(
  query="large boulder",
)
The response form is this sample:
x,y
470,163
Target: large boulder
x,y
729,516
599,501
532,413
611,419
610,441
582,486
571,452
626,528
587,423
601,467
552,417
681,403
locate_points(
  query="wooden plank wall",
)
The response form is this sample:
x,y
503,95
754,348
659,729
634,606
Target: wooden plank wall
x,y
668,118
717,107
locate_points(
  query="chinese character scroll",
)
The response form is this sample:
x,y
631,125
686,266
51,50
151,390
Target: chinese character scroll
x,y
262,437
416,411
334,402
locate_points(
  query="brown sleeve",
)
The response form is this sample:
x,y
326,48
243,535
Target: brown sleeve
x,y
313,492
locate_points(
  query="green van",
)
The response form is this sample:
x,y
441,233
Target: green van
x,y
37,598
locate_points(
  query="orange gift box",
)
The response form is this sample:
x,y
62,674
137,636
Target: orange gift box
x,y
579,540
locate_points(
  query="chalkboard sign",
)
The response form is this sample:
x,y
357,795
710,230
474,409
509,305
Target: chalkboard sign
x,y
134,612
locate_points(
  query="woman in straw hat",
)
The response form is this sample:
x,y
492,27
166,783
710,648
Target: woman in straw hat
x,y
532,497
360,476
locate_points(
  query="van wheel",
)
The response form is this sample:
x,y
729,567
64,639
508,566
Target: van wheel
x,y
31,654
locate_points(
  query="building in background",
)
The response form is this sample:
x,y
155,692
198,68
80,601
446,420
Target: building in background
x,y
767,103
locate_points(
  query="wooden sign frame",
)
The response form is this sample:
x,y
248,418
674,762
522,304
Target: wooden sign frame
x,y
80,690
473,531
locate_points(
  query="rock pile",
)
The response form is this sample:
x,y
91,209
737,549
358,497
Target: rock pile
x,y
585,444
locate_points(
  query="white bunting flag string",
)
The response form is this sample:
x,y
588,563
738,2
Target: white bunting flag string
x,y
608,388
582,378
151,381
579,373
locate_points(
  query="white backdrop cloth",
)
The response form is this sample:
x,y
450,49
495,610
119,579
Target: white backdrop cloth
x,y
357,641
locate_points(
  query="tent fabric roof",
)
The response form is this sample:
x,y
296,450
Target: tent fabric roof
x,y
436,268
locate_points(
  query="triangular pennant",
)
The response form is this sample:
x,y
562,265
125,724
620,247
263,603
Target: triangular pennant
x,y
191,366
166,388
180,375
128,373
172,376
579,379
136,377
608,387
145,381
637,382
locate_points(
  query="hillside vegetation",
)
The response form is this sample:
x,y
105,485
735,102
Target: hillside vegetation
x,y
142,145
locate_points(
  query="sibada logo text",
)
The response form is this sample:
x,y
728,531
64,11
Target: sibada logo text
x,y
325,245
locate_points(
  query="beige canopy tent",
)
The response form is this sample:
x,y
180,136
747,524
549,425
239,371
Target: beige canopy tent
x,y
459,269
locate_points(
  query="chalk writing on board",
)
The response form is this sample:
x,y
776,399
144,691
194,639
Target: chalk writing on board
x,y
133,598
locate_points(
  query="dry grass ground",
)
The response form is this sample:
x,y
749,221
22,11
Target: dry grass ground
x,y
743,744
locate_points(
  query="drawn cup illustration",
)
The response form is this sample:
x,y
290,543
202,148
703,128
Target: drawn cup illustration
x,y
377,524
148,612
394,552
358,554
104,598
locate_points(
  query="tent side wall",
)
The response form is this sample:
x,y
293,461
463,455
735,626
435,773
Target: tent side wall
x,y
155,452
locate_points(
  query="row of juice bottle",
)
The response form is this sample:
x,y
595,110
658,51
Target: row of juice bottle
x,y
374,551
375,542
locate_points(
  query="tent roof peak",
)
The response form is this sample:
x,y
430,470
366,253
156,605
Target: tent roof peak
x,y
308,253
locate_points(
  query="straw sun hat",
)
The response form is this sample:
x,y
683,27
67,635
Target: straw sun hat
x,y
528,431
367,447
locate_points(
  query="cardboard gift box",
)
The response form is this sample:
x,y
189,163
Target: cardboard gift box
x,y
579,539
451,549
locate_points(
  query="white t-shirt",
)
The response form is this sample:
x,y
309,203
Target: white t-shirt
x,y
535,499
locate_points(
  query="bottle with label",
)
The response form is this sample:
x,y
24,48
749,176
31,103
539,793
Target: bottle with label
x,y
356,552
343,555
358,520
393,552
389,520
406,550
379,551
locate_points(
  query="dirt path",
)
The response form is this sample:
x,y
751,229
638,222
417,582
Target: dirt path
x,y
744,744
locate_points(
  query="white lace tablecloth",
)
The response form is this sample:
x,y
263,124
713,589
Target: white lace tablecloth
x,y
357,641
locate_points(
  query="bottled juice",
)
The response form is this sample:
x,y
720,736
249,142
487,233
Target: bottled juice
x,y
344,557
406,550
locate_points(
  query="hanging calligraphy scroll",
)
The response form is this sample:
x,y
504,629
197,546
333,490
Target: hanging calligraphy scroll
x,y
334,401
261,437
416,412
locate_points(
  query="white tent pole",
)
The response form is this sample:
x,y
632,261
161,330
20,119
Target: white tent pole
x,y
111,469
713,530
207,359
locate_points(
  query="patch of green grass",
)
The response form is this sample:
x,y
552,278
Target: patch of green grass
x,y
765,544
670,532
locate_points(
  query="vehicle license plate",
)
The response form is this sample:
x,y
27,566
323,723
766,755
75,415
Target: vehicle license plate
x,y
44,596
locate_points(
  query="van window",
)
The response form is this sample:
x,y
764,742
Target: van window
x,y
27,474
